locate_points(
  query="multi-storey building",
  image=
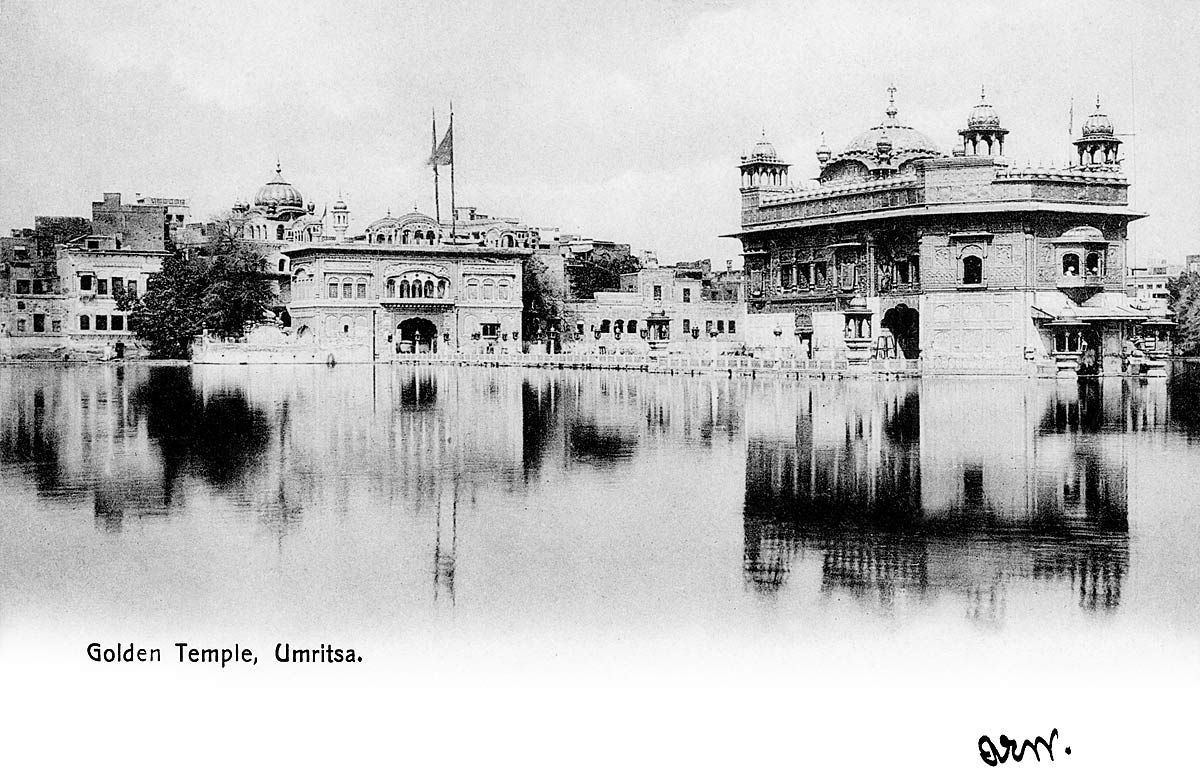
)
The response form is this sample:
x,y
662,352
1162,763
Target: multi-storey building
x,y
665,309
408,298
1150,283
33,306
967,261
94,272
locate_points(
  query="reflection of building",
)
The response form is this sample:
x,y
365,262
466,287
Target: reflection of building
x,y
966,260
405,299
884,488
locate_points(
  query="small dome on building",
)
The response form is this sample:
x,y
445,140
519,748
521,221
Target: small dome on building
x,y
823,151
884,144
983,116
764,150
1098,125
278,193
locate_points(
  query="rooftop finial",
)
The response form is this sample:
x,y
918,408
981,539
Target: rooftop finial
x,y
982,94
278,166
891,111
1097,101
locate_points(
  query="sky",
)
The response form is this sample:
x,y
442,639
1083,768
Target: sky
x,y
618,119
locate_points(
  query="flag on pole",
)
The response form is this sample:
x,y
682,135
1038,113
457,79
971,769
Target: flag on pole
x,y
444,151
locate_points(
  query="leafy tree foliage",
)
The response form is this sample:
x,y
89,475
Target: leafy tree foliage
x,y
1185,301
221,286
543,298
602,272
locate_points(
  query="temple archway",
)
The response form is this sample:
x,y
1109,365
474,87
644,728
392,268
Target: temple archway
x,y
904,324
416,335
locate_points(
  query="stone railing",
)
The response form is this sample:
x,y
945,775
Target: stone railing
x,y
740,365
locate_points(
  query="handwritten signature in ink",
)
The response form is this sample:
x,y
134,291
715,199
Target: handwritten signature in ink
x,y
994,756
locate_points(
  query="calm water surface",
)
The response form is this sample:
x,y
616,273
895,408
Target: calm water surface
x,y
511,505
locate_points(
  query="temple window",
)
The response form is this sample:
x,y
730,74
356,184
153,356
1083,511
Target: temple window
x,y
473,289
785,276
428,288
657,293
618,327
631,327
1092,263
333,287
416,289
391,287
85,323
605,325
85,283
279,232
441,289
347,290
720,326
1070,264
687,327
972,270
504,289
404,288
687,295
732,327
101,323
282,265
489,289
362,290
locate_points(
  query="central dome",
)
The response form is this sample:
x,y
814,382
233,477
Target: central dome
x,y
278,193
902,139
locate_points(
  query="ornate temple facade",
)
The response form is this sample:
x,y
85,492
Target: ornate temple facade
x,y
964,260
398,299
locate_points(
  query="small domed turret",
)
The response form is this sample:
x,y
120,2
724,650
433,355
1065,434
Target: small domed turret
x,y
884,145
1098,125
763,168
983,136
824,153
1098,147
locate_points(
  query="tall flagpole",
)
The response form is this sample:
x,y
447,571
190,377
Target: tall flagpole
x,y
437,193
453,208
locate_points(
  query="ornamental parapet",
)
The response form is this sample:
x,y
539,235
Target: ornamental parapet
x,y
840,190
1040,173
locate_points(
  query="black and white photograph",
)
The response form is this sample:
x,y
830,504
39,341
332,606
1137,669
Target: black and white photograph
x,y
600,387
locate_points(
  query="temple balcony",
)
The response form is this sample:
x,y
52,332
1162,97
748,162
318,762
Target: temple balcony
x,y
1085,281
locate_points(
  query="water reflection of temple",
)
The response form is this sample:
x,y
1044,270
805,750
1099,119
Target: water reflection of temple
x,y
905,492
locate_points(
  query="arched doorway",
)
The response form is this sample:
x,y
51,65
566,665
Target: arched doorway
x,y
416,335
904,324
